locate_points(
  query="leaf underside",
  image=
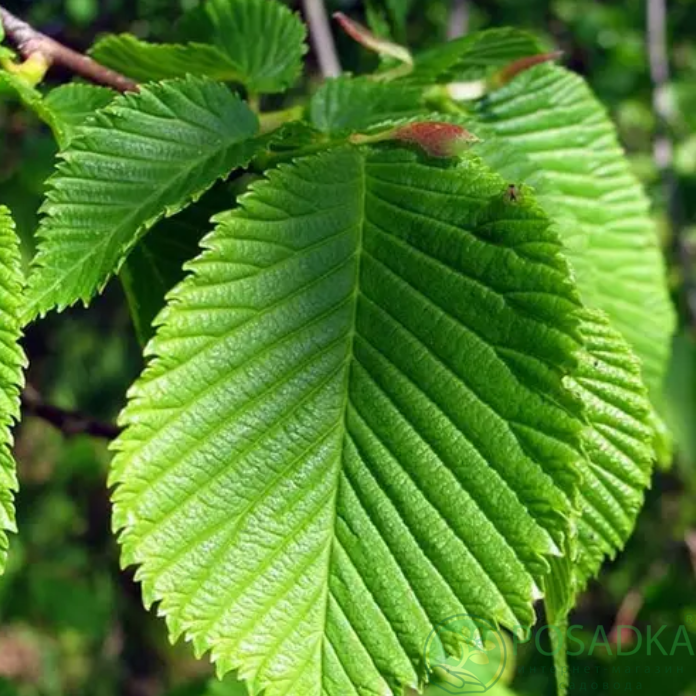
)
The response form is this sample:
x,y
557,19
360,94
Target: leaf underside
x,y
145,156
354,424
12,362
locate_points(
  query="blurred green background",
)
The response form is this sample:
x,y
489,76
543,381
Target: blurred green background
x,y
72,623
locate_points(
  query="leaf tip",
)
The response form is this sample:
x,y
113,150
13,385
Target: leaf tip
x,y
372,42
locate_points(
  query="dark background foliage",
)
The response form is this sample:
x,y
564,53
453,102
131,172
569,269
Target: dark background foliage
x,y
72,623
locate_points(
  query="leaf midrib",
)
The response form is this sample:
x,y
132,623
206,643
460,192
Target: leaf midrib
x,y
362,199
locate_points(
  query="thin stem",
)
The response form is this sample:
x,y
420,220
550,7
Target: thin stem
x,y
70,423
321,37
270,120
30,42
458,23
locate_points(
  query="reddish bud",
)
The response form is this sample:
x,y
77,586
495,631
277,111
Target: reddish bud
x,y
436,138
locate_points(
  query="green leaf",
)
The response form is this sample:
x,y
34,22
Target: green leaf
x,y
349,104
549,116
258,43
156,263
617,441
474,56
618,445
145,156
354,423
263,39
155,266
72,105
143,61
12,362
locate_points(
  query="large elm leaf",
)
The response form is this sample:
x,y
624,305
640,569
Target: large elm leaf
x,y
354,423
617,441
144,156
550,116
12,362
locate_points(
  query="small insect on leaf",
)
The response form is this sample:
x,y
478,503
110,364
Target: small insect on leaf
x,y
513,194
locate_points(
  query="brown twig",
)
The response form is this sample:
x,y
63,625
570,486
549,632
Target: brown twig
x,y
70,423
31,42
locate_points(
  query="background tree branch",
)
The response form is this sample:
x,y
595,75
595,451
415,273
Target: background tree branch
x,y
663,148
30,42
69,422
458,24
321,37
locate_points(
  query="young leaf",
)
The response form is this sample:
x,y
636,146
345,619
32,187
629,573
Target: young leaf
x,y
145,156
258,43
387,50
262,38
617,441
354,425
72,105
354,104
144,61
12,362
550,116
